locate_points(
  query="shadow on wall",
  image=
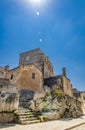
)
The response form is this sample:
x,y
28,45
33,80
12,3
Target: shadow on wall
x,y
5,125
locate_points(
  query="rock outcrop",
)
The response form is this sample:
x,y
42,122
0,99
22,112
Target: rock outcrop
x,y
55,104
9,100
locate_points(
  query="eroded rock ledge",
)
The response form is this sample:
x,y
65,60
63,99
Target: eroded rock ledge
x,y
54,104
9,100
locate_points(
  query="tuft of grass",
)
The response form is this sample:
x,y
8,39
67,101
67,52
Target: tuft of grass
x,y
57,93
45,110
17,116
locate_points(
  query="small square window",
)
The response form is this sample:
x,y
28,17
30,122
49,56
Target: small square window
x,y
33,75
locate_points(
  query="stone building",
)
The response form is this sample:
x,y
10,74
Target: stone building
x,y
34,71
29,85
60,82
37,58
33,67
29,76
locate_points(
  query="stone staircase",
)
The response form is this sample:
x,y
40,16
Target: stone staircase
x,y
26,116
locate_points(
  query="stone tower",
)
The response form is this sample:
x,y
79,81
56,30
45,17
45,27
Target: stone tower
x,y
36,57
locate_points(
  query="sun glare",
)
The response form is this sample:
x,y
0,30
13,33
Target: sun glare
x,y
36,2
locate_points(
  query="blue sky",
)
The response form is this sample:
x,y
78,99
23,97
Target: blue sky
x,y
58,29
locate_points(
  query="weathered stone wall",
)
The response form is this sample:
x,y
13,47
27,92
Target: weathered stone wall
x,y
26,77
48,70
82,95
54,82
67,86
37,58
59,82
9,97
7,117
1,72
6,86
8,102
29,57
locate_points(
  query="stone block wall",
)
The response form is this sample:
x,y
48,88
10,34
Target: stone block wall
x,y
37,58
54,82
26,77
67,86
59,82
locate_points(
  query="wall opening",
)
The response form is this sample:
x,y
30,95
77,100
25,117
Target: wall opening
x,y
33,75
12,76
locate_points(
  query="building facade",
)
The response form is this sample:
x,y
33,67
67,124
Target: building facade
x,y
26,77
34,71
37,58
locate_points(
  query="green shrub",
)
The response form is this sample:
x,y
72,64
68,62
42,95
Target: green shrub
x,y
46,96
58,93
45,110
17,116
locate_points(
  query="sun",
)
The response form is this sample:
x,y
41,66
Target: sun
x,y
35,2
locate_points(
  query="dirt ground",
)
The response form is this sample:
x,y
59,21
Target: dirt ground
x,y
61,124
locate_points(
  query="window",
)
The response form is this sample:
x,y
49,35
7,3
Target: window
x,y
11,76
33,75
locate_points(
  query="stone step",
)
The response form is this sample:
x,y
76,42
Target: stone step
x,y
27,116
29,122
22,111
27,119
24,114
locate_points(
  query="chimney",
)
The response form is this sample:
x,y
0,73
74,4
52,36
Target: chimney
x,y
64,72
6,68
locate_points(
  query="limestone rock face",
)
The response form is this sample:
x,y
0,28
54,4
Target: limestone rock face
x,y
7,117
8,101
9,97
39,94
58,105
73,107
51,115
